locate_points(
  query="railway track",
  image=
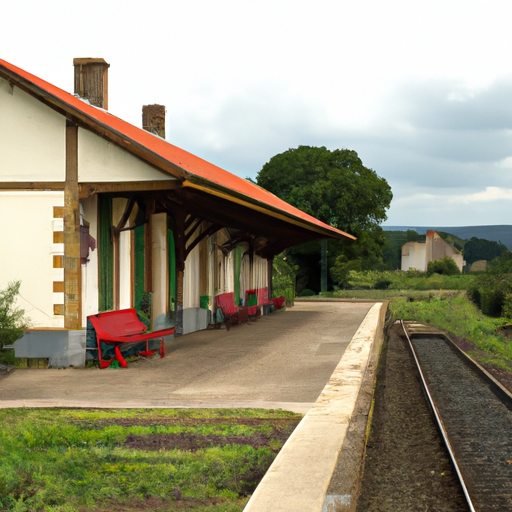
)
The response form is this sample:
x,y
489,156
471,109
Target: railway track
x,y
474,415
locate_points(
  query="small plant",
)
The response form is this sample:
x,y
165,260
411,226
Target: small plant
x,y
12,319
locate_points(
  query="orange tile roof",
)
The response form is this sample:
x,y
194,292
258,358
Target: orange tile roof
x,y
196,172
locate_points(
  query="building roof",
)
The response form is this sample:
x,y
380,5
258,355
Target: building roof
x,y
194,172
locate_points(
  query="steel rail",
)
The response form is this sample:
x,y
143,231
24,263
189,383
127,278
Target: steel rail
x,y
439,421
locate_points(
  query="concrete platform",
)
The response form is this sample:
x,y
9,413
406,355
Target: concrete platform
x,y
315,358
319,467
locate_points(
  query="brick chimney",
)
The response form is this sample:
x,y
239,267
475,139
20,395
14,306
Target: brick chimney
x,y
153,119
91,80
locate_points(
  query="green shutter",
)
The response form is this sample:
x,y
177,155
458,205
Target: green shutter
x,y
139,266
106,254
172,270
237,263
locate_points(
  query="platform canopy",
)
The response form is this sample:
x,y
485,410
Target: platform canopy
x,y
204,191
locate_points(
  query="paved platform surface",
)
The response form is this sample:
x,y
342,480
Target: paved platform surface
x,y
283,360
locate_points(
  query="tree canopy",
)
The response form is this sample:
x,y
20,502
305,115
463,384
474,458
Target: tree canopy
x,y
333,186
480,249
336,188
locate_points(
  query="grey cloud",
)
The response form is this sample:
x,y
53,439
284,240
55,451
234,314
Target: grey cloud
x,y
444,105
423,144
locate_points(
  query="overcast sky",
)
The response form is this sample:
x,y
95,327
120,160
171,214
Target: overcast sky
x,y
421,90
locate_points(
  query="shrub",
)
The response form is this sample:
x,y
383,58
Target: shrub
x,y
445,266
492,302
12,319
306,293
383,284
507,305
283,278
476,297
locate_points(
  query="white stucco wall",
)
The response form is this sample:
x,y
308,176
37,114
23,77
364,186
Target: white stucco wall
x,y
90,269
103,161
27,252
414,256
32,138
260,272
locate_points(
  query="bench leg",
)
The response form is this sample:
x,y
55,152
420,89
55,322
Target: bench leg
x,y
120,358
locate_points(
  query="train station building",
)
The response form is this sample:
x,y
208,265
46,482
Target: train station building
x,y
99,215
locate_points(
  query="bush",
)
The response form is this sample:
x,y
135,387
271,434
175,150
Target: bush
x,y
12,319
476,297
306,293
383,284
445,266
283,278
492,302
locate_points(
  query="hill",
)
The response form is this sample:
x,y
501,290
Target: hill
x,y
495,233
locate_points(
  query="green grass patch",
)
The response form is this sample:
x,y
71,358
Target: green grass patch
x,y
410,280
388,294
458,315
77,460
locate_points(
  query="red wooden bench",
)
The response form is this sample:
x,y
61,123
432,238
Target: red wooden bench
x,y
232,313
123,326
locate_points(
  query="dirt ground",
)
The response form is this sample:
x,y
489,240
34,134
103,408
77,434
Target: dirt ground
x,y
281,430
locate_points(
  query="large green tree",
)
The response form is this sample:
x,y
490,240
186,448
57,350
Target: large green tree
x,y
336,188
480,249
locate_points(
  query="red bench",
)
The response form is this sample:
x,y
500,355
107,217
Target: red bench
x,y
232,313
123,326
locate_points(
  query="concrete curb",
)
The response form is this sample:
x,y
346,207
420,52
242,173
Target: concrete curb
x,y
300,475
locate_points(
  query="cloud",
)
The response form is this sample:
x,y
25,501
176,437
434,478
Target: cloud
x,y
490,194
415,207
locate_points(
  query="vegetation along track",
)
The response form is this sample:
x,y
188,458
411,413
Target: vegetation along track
x,y
475,418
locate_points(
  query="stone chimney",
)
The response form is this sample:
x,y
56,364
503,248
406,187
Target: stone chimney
x,y
91,80
153,119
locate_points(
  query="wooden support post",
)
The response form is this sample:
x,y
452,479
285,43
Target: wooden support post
x,y
72,266
179,244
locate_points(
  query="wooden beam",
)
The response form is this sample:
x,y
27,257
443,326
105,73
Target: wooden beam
x,y
89,189
72,265
178,219
189,231
32,185
208,232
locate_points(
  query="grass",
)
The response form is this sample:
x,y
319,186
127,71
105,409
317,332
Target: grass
x,y
388,294
458,315
64,460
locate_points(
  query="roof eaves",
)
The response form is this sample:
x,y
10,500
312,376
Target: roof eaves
x,y
106,129
229,194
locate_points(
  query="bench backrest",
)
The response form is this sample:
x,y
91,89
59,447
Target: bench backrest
x,y
263,296
226,302
121,322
